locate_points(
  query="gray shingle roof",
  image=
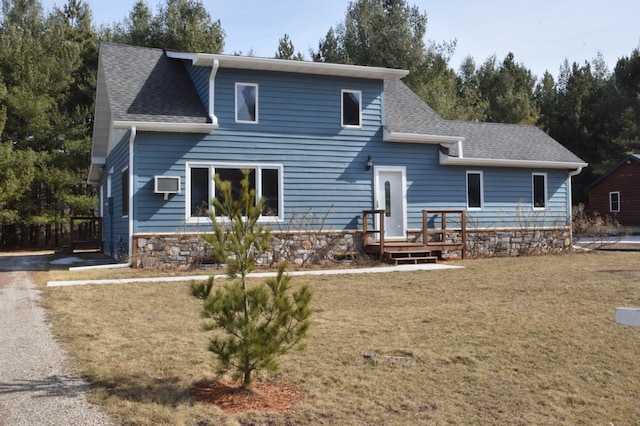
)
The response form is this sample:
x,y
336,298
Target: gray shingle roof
x,y
144,85
405,112
510,142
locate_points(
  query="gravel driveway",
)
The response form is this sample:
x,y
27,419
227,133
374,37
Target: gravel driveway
x,y
34,387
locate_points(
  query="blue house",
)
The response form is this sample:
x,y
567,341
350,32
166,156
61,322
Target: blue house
x,y
335,150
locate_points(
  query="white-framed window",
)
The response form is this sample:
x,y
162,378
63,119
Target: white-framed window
x,y
539,191
266,179
475,191
614,201
246,103
125,192
351,108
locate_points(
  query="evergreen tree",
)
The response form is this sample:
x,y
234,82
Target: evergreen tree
x,y
183,25
260,321
508,88
627,84
47,67
287,51
329,50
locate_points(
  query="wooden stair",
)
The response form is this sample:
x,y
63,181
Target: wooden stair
x,y
442,231
402,253
414,256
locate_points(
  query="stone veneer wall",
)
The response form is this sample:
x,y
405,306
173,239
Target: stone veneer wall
x,y
191,251
518,242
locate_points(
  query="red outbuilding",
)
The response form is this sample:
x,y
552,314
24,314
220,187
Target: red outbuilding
x,y
617,192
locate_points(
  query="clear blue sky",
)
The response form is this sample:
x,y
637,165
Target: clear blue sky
x,y
540,34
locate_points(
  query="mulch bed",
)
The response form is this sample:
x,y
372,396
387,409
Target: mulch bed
x,y
232,398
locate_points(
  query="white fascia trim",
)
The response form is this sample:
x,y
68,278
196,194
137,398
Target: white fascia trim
x,y
166,127
95,170
446,160
101,161
283,65
418,138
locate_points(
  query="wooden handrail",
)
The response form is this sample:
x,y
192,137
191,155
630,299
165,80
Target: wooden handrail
x,y
443,230
366,231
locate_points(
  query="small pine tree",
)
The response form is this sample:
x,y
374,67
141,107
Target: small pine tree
x,y
262,321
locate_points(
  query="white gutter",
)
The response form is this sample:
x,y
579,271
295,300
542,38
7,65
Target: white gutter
x,y
446,160
166,127
284,65
418,138
577,171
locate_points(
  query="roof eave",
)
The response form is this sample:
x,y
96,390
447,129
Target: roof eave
x,y
284,65
172,127
95,170
446,160
389,136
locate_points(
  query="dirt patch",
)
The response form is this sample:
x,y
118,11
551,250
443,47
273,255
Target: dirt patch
x,y
232,398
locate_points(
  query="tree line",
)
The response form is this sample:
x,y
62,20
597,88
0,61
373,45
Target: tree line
x,y
48,65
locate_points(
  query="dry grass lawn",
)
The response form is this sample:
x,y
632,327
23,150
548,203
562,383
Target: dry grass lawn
x,y
528,340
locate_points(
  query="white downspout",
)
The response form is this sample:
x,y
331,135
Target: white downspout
x,y
132,137
572,173
460,152
212,82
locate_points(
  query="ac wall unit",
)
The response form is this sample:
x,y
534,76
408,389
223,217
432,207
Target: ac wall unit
x,y
166,185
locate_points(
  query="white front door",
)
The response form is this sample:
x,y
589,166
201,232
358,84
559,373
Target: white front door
x,y
391,195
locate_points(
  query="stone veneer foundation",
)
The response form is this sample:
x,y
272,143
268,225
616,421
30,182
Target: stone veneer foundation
x,y
191,251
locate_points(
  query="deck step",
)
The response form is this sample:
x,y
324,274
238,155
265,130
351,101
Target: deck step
x,y
414,256
415,260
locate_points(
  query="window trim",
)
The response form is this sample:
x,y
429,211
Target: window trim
x,y
258,167
611,201
533,191
479,173
350,126
235,95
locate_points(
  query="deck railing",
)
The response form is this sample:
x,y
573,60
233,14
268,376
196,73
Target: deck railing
x,y
373,217
441,229
448,229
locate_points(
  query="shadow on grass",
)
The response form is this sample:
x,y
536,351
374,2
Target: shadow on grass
x,y
143,388
51,386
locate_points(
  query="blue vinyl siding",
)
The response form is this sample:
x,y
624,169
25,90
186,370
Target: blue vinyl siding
x,y
115,227
323,164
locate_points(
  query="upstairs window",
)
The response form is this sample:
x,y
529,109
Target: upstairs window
x,y
246,103
351,108
614,202
474,190
539,191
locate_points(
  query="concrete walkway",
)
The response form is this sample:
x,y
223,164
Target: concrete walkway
x,y
374,270
35,389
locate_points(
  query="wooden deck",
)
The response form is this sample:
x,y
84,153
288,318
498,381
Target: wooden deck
x,y
439,234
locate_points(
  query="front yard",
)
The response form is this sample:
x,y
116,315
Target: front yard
x,y
527,340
